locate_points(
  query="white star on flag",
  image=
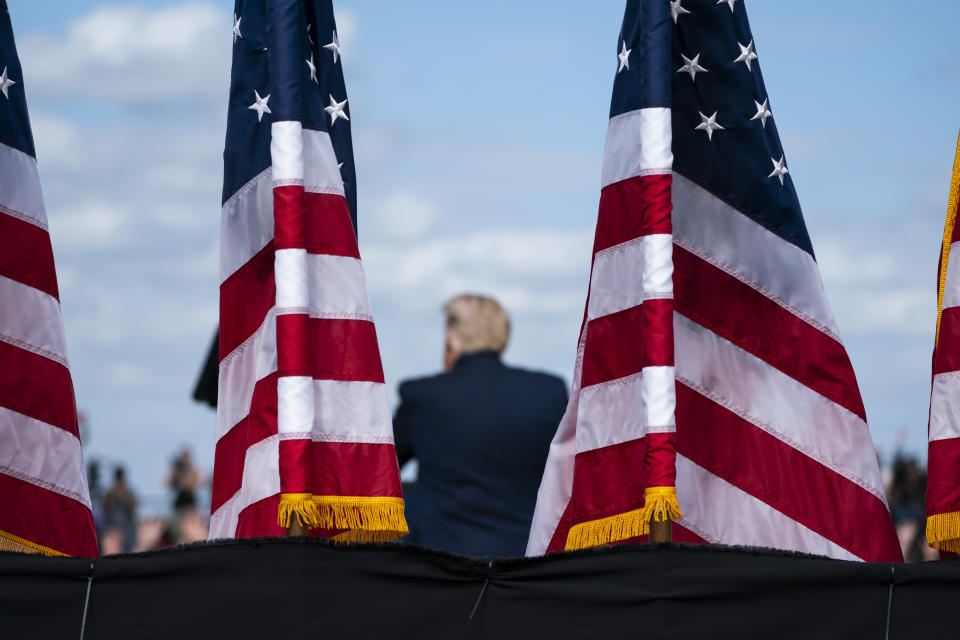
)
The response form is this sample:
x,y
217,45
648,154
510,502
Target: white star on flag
x,y
260,105
676,9
779,169
746,54
313,68
624,56
763,112
5,83
334,47
728,2
336,110
709,125
236,28
691,66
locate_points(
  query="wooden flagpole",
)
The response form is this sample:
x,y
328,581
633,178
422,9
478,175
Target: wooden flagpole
x,y
660,530
296,529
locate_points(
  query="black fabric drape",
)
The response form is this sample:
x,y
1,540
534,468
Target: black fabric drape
x,y
310,589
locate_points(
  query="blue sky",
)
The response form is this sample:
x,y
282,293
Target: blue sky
x,y
478,133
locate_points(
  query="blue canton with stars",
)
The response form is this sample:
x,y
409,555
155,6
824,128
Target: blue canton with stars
x,y
724,135
14,121
286,62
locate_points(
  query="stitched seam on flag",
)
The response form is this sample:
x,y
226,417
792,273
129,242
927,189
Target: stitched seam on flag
x,y
687,524
830,541
49,486
246,343
615,382
26,346
324,315
319,188
741,210
758,288
246,187
336,437
226,503
744,415
25,217
288,182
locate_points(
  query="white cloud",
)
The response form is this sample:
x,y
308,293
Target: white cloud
x,y
534,269
88,227
404,215
132,53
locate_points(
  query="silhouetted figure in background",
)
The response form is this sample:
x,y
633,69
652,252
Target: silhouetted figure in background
x,y
480,433
120,512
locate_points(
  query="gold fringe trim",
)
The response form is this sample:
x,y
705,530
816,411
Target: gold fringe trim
x,y
952,202
658,501
943,531
10,542
366,519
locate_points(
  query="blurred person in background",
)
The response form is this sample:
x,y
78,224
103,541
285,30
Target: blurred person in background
x,y
906,496
119,516
480,433
184,480
96,495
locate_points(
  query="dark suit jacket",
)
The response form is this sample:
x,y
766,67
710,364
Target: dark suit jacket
x,y
481,434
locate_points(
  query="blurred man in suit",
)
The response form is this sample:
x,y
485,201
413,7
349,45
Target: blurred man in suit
x,y
480,432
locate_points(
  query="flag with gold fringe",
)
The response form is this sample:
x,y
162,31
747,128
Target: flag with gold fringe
x,y
304,434
44,499
943,453
770,445
620,422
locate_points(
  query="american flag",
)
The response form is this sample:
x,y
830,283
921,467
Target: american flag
x,y
44,500
303,422
773,448
943,452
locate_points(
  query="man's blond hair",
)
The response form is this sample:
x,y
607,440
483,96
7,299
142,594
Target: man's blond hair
x,y
476,323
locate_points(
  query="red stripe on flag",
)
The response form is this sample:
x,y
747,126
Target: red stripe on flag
x,y
26,255
231,449
337,349
260,519
608,481
943,489
317,222
754,322
245,298
38,387
632,208
340,469
786,479
946,357
622,343
46,518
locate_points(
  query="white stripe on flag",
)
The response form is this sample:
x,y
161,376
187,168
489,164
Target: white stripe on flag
x,y
20,194
638,143
240,371
246,223
295,405
33,321
945,406
618,270
335,285
42,454
776,403
951,292
717,511
261,479
610,413
321,169
286,152
710,228
350,411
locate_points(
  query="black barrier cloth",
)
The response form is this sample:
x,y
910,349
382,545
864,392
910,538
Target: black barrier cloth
x,y
279,588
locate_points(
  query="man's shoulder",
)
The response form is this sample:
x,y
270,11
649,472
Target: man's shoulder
x,y
535,377
413,387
